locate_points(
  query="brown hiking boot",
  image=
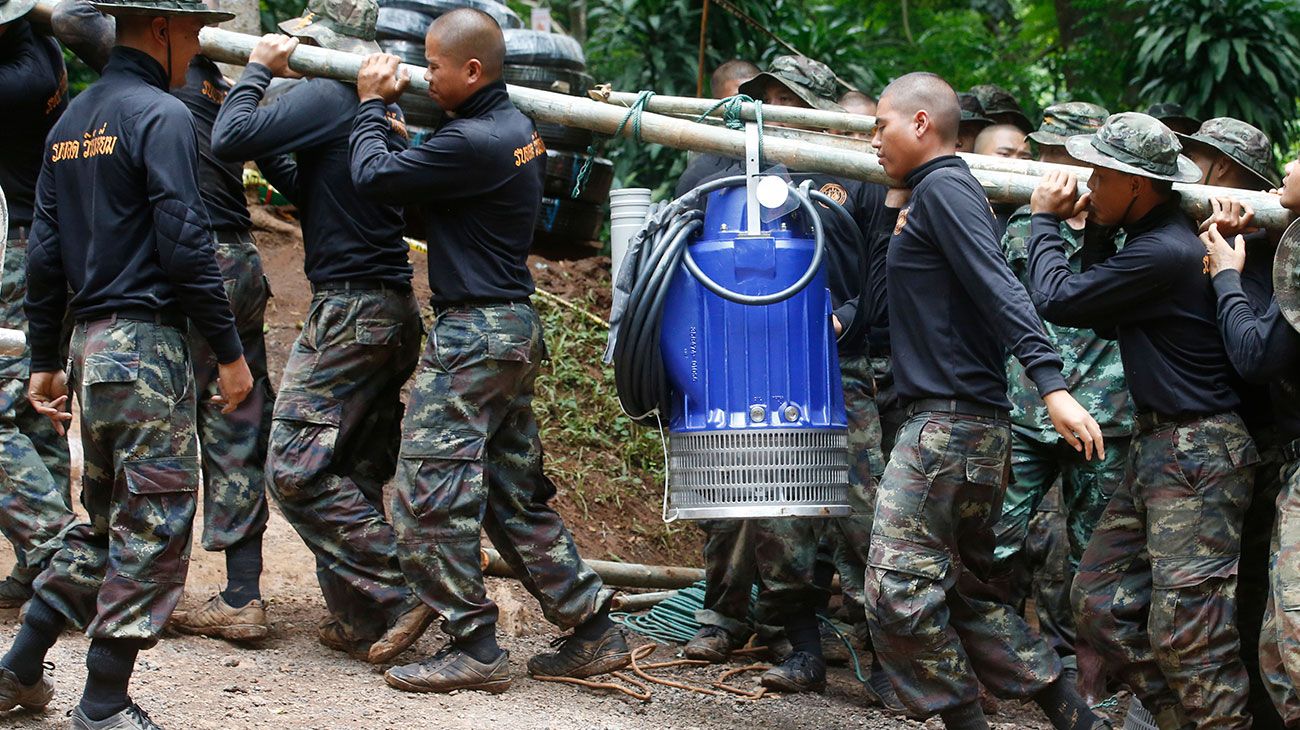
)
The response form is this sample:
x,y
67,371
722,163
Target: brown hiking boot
x,y
711,644
452,669
579,658
220,620
33,697
333,634
13,594
406,630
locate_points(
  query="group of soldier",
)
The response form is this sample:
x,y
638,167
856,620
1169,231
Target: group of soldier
x,y
1152,376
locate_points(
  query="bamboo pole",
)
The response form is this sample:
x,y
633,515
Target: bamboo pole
x,y
692,107
633,602
624,575
1004,181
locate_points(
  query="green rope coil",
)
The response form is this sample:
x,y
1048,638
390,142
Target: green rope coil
x,y
633,115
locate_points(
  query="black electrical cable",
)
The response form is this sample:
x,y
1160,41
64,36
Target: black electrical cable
x,y
639,375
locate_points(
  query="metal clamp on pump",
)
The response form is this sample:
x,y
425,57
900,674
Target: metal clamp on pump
x,y
738,355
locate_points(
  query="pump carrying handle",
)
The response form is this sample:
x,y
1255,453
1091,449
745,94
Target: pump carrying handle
x,y
754,300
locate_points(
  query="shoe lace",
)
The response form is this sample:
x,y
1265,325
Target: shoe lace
x,y
47,666
560,641
138,714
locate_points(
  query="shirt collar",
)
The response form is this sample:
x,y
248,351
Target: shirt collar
x,y
485,99
918,174
125,61
1156,216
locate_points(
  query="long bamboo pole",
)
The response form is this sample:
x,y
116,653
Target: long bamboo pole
x,y
623,575
693,107
1004,181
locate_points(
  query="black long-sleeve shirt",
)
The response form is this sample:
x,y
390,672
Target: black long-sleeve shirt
x,y
33,89
1264,348
346,236
854,266
478,183
954,306
1156,297
119,219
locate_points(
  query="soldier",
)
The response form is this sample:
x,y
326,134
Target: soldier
x,y
1039,457
471,459
337,418
1001,106
233,446
935,621
134,261
1155,589
1003,140
856,102
726,79
1233,154
1264,345
35,499
1173,116
973,121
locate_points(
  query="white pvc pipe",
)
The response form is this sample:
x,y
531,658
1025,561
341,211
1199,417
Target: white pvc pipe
x,y
627,212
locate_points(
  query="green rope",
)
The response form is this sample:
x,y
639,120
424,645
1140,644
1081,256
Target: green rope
x,y
732,118
633,115
672,619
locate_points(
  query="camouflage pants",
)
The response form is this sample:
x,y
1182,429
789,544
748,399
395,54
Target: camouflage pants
x,y
1046,559
887,404
729,575
1253,581
234,444
333,445
120,575
1086,486
471,461
936,623
1156,592
850,537
35,479
1279,643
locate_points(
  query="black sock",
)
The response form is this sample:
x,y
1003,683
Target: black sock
x,y
243,572
40,630
482,647
596,626
1064,708
966,717
803,634
109,664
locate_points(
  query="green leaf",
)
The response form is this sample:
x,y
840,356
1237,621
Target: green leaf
x,y
1219,57
1195,37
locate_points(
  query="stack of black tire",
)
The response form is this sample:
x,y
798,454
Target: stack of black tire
x,y
400,31
569,225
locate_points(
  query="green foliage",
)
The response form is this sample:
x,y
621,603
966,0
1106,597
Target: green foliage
x,y
1219,58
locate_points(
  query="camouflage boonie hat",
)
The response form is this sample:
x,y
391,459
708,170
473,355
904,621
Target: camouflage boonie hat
x,y
165,8
810,80
1061,121
340,25
11,10
1001,107
1243,143
1286,275
1174,117
971,109
1135,144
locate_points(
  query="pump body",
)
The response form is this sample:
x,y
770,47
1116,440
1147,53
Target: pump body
x,y
757,427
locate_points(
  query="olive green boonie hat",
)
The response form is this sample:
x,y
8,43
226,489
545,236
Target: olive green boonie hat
x,y
807,79
165,8
340,25
971,108
1243,143
1174,116
1135,144
1286,275
1001,106
11,10
1062,121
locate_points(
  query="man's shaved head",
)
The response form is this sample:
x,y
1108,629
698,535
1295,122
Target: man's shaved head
x,y
728,77
919,91
467,33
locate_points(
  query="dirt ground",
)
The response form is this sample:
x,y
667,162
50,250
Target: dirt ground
x,y
291,681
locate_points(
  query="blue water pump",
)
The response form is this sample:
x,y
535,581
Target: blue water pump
x,y
727,337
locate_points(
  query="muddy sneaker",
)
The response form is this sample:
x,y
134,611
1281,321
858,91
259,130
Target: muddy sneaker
x,y
579,658
452,669
13,594
220,620
800,672
881,691
33,697
333,634
834,650
710,643
132,718
406,630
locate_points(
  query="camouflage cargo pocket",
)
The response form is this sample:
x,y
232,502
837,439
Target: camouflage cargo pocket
x,y
151,526
446,496
304,436
1288,557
